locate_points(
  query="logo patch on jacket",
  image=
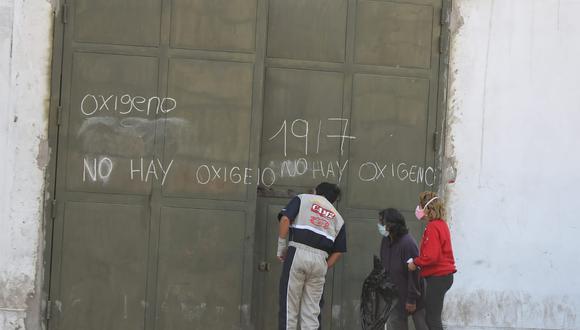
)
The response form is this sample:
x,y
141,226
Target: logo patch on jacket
x,y
319,222
322,211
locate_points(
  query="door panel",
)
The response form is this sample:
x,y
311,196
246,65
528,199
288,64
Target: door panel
x,y
200,268
394,34
307,29
301,108
108,123
393,113
104,275
214,24
211,130
123,22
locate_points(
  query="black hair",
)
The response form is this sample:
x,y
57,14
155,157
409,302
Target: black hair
x,y
329,190
397,225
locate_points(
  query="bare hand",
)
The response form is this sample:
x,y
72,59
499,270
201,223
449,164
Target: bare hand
x,y
332,259
412,266
410,308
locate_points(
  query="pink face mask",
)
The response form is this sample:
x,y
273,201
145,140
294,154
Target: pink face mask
x,y
420,212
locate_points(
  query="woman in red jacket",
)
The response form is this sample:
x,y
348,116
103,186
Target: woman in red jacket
x,y
435,258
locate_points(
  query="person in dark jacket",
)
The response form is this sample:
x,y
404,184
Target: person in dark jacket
x,y
397,247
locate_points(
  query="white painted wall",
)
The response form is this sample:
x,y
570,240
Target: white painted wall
x,y
514,133
25,58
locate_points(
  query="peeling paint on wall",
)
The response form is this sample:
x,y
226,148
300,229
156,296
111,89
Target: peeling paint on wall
x,y
25,54
11,320
511,309
43,154
448,161
12,294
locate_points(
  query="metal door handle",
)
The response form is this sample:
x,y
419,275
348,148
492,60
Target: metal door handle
x,y
264,266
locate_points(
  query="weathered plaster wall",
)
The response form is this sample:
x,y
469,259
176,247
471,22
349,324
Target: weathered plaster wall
x,y
25,58
514,137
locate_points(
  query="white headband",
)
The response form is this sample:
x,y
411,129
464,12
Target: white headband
x,y
429,202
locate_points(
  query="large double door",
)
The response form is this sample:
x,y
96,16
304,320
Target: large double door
x,y
187,124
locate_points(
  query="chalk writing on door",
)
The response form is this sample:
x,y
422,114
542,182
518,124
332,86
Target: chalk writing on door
x,y
299,137
126,104
300,129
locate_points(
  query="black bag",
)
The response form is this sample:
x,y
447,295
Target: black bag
x,y
378,299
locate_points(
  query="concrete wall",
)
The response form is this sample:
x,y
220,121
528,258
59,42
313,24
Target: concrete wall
x,y
514,138
25,58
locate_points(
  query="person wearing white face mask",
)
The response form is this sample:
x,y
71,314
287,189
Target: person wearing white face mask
x,y
398,246
436,258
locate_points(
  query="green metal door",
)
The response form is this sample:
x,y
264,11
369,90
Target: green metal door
x,y
187,124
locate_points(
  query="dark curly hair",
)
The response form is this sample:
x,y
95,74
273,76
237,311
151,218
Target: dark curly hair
x,y
395,222
328,190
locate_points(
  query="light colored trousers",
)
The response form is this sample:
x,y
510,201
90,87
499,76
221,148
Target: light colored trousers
x,y
304,285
